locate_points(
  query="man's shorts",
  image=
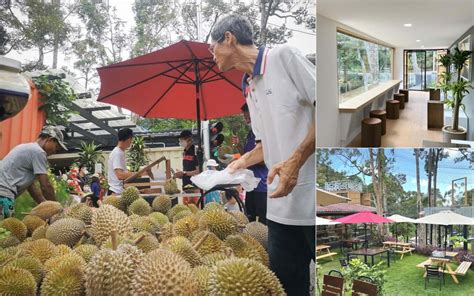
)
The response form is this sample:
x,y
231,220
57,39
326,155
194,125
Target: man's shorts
x,y
7,206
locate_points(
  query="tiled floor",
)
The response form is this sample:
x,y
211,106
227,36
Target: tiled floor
x,y
411,128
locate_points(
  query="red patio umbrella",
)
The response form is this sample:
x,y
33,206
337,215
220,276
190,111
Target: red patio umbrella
x,y
179,81
365,218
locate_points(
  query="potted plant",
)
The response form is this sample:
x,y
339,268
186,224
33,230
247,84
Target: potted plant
x,y
458,88
445,78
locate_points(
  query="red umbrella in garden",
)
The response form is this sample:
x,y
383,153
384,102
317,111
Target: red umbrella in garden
x,y
365,218
179,81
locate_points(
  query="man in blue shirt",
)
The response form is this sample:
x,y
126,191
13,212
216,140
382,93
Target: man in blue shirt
x,y
256,200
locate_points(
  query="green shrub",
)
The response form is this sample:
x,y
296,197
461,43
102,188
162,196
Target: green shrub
x,y
357,269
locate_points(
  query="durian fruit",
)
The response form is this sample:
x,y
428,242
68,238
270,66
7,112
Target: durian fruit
x,y
171,187
175,210
163,272
63,249
201,273
258,231
9,241
86,251
181,215
258,247
16,281
67,231
31,264
145,223
159,217
66,278
74,258
243,249
166,232
32,222
5,256
212,206
130,194
186,226
240,276
39,232
82,212
147,242
162,203
241,217
16,227
183,247
139,207
194,209
106,220
218,222
42,249
46,209
211,260
208,243
57,217
110,272
115,201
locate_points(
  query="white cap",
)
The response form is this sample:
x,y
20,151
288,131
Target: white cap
x,y
211,163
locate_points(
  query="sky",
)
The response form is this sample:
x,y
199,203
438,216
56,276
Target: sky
x,y
305,42
405,164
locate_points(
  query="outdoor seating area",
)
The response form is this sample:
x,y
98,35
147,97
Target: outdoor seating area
x,y
391,257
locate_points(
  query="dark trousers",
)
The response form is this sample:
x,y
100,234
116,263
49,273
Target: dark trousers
x,y
291,249
256,206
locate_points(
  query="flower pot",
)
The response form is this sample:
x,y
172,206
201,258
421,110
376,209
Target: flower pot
x,y
449,134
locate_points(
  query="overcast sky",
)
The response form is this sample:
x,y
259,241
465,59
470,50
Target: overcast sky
x,y
305,42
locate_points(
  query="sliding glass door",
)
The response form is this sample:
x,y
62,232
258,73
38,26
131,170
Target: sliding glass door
x,y
421,68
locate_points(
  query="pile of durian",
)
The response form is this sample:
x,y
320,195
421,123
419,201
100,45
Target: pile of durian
x,y
127,247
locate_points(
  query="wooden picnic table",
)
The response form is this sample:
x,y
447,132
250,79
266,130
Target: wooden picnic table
x,y
405,247
324,251
445,262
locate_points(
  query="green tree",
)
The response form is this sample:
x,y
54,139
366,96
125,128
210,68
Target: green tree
x,y
155,20
89,155
37,25
136,154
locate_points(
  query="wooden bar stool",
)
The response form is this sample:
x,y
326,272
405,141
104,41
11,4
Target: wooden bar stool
x,y
406,93
401,99
371,132
393,109
382,115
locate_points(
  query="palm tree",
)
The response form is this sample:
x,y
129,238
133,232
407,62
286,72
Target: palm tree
x,y
90,155
460,87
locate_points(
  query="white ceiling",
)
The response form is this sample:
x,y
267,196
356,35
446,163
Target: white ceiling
x,y
436,23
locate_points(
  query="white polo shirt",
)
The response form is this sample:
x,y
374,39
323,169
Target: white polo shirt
x,y
281,100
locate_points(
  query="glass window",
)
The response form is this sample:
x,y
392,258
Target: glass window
x,y
361,65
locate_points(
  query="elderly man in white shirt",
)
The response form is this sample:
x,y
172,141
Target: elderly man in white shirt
x,y
280,88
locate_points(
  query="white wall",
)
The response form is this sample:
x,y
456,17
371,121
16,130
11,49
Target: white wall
x,y
327,119
398,64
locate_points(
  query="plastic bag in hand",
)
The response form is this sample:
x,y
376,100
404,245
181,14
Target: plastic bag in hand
x,y
209,179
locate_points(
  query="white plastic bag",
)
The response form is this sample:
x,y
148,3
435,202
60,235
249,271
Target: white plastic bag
x,y
209,179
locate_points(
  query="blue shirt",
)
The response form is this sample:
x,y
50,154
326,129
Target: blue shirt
x,y
259,170
95,188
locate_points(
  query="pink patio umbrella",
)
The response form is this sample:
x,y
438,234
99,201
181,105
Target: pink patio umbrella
x,y
365,218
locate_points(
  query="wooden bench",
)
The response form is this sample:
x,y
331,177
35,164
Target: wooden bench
x,y
326,255
463,268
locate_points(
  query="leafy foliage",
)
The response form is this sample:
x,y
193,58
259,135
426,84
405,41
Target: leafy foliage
x,y
57,97
90,155
357,269
406,230
136,154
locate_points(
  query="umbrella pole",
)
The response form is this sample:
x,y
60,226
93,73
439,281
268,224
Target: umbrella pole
x,y
416,235
396,236
198,114
439,235
464,234
445,238
365,230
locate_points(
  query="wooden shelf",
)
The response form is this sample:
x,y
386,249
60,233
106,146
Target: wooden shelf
x,y
362,100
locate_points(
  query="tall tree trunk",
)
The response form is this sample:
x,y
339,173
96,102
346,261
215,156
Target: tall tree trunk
x,y
375,168
264,10
56,41
430,175
40,55
435,177
419,205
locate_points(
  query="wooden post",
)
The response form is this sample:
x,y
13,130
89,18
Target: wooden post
x,y
168,169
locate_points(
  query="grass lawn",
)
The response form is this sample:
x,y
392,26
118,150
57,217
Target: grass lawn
x,y
405,279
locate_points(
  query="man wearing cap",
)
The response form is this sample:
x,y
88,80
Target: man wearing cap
x,y
279,85
26,163
190,162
